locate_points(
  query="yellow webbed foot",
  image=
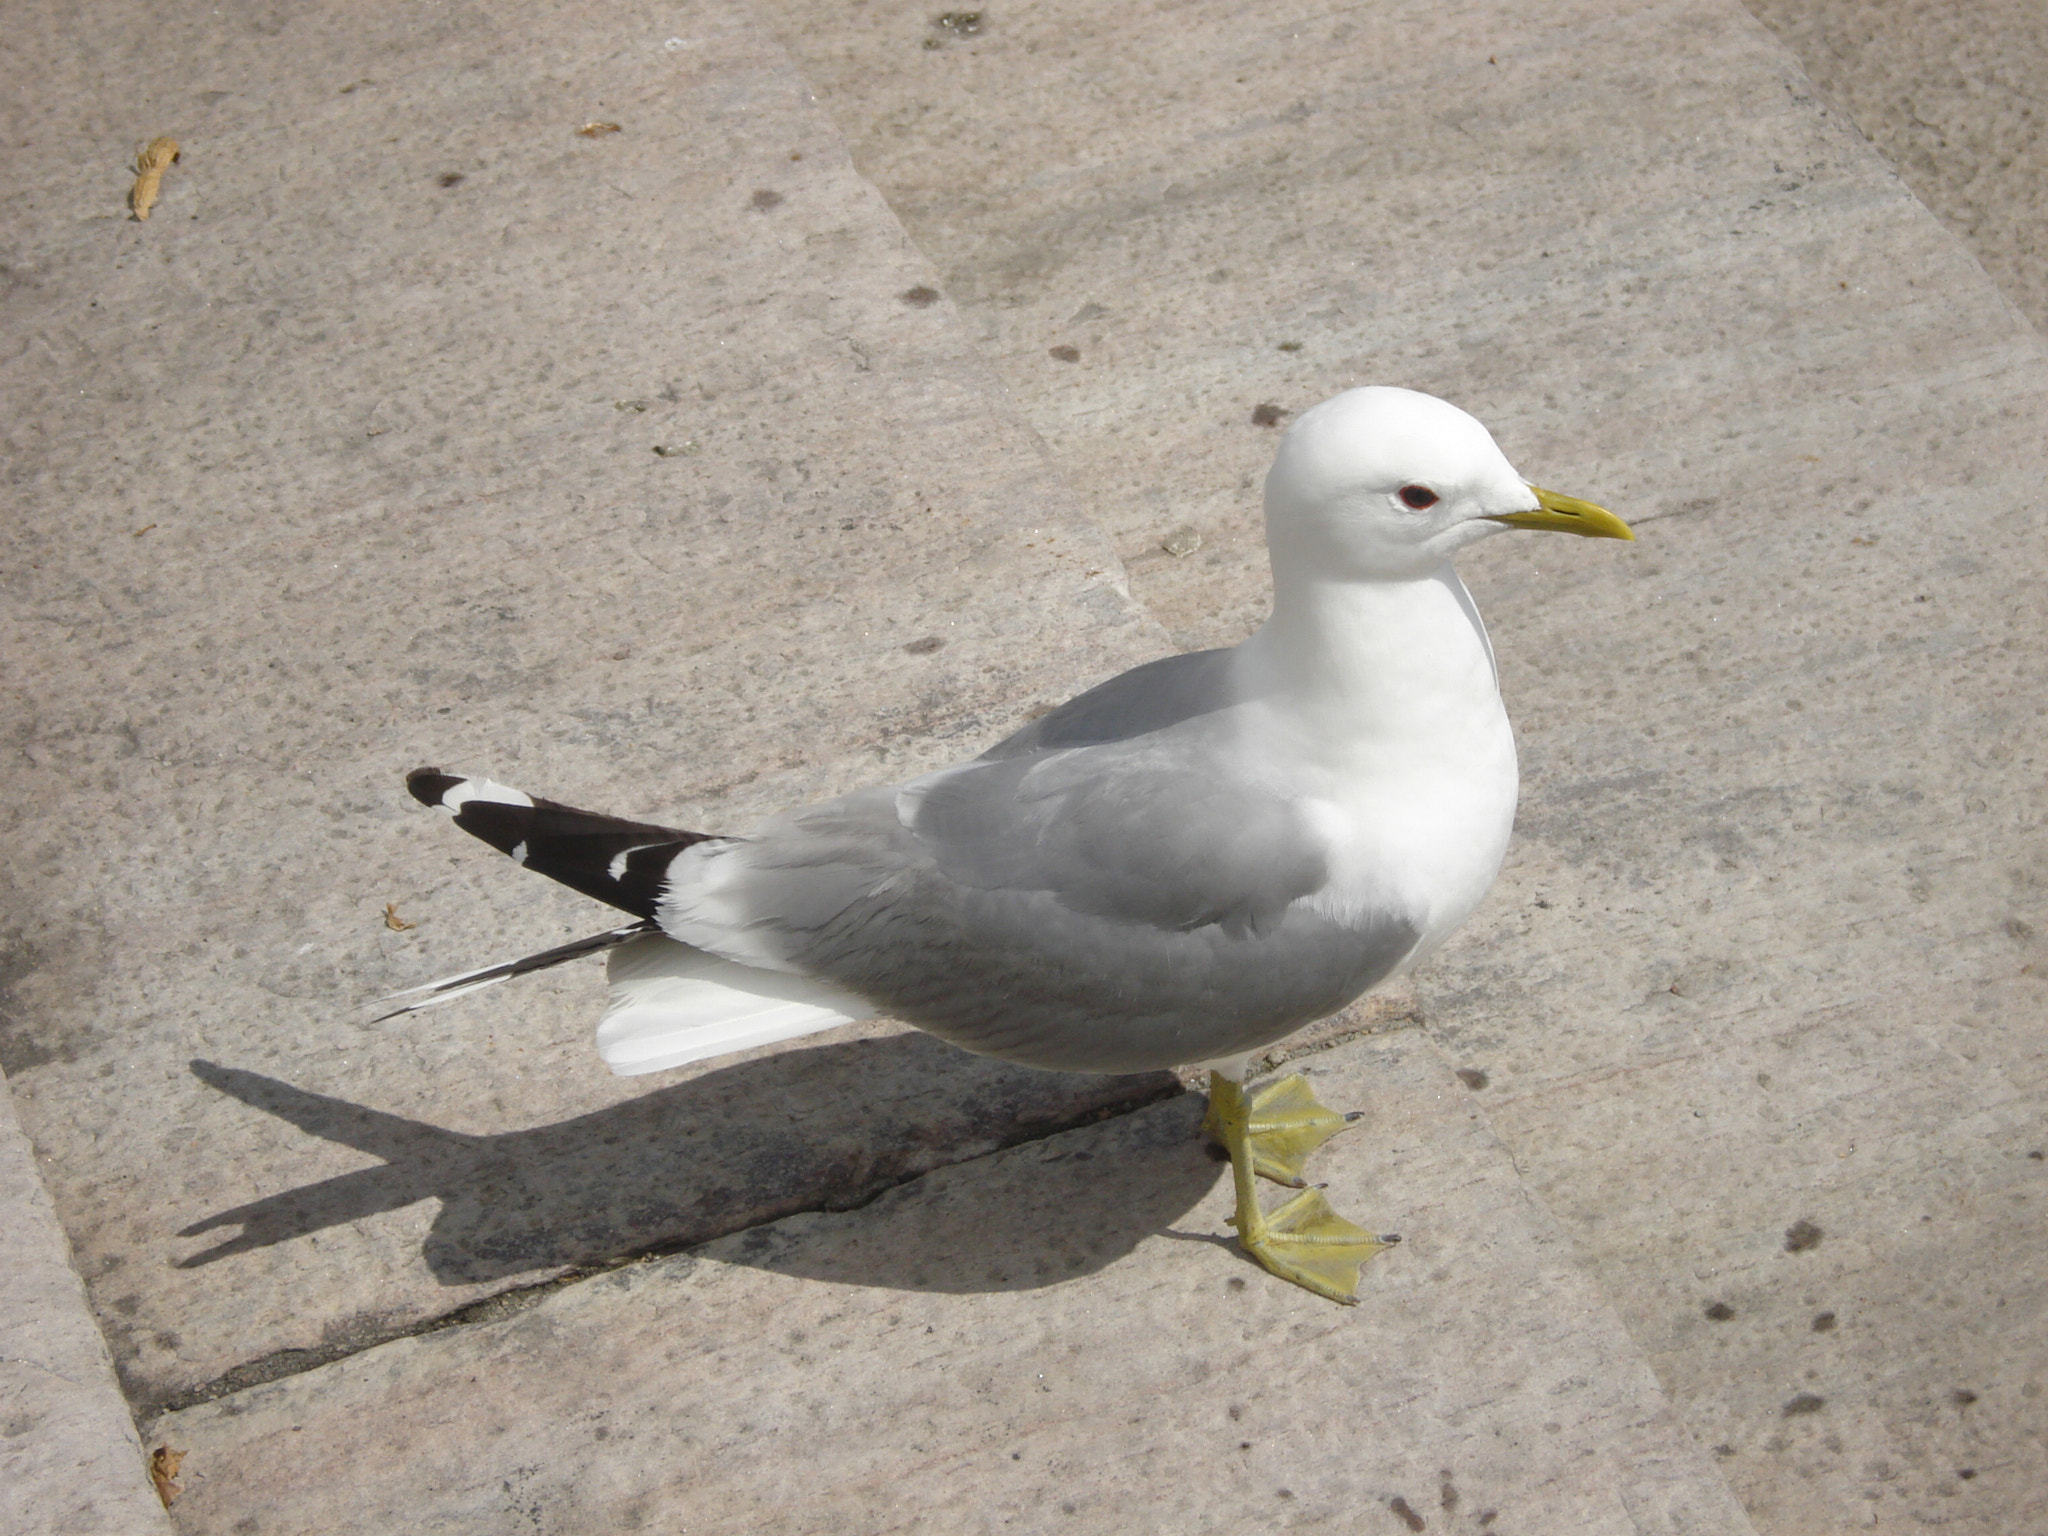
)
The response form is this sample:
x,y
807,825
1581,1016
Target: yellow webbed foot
x,y
1303,1239
1284,1123
1307,1242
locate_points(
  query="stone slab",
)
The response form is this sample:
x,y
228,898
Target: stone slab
x,y
1951,95
1853,1320
346,461
1057,1337
1780,862
69,1457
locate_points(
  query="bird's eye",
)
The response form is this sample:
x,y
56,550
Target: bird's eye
x,y
1418,497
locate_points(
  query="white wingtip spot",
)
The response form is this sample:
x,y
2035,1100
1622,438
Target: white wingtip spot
x,y
454,799
519,852
617,868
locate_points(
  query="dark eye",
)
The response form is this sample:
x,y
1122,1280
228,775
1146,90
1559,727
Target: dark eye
x,y
1418,496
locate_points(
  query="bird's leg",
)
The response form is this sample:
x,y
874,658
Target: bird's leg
x,y
1284,1122
1302,1239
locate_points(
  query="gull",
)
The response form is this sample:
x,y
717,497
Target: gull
x,y
1179,867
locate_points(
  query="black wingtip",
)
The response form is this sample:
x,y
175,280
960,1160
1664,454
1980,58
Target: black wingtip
x,y
624,863
428,785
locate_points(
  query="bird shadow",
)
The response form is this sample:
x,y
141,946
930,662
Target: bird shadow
x,y
827,1128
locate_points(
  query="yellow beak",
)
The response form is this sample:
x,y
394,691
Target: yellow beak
x,y
1567,514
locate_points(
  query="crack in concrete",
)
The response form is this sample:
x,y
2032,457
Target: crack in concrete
x,y
47,1370
513,1300
510,1302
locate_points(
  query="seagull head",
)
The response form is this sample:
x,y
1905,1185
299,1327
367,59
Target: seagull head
x,y
1387,484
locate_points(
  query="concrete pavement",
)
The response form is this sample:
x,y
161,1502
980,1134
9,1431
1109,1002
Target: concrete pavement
x,y
69,1457
348,460
1054,1338
388,495
1766,949
1951,96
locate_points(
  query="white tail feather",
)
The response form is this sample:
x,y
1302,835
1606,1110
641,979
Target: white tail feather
x,y
434,993
673,1004
415,999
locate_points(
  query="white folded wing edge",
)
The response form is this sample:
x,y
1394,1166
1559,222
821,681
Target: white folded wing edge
x,y
672,1004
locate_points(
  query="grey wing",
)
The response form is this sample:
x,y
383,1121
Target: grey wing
x,y
1102,892
1067,912
1148,831
1148,698
1120,804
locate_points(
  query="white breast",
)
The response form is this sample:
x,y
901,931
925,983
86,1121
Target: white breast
x,y
1381,710
1426,842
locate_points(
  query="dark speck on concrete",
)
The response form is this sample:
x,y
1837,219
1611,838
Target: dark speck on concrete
x,y
1966,1473
1719,1311
1267,415
1823,1322
1472,1077
2037,1154
451,178
1962,1397
763,199
1802,1235
1408,1517
1290,346
1447,1492
1804,1403
925,646
1065,354
919,297
959,23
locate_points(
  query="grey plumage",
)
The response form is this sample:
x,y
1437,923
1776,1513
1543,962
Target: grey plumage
x,y
1103,891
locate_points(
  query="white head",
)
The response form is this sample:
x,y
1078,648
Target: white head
x,y
1381,483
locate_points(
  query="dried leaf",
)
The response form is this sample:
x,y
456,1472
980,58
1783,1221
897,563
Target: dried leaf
x,y
151,162
163,1471
597,130
393,921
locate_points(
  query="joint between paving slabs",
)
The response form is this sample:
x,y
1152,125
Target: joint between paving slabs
x,y
513,1300
1353,1024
